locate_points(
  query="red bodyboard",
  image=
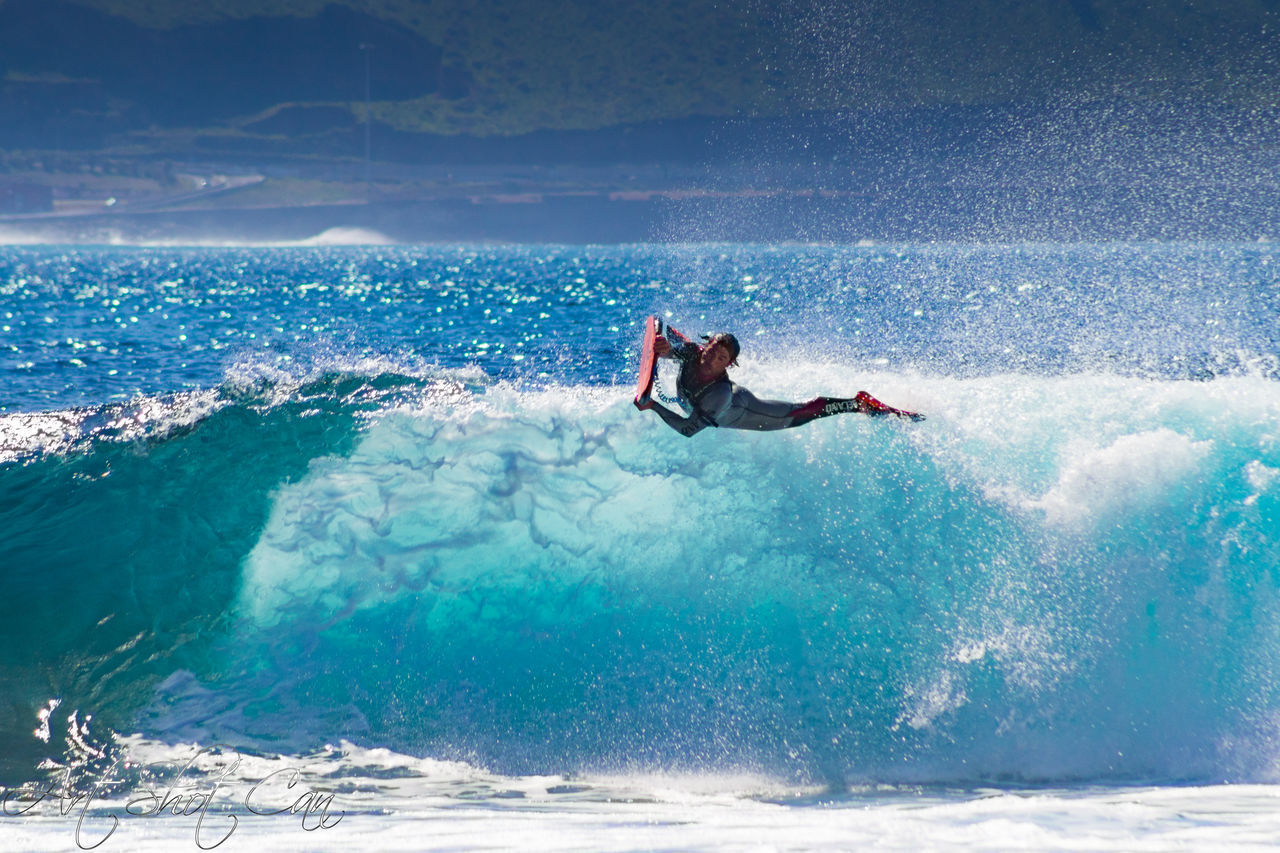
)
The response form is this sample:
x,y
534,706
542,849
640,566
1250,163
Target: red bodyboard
x,y
648,361
653,329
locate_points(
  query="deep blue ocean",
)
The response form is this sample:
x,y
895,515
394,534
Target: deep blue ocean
x,y
290,500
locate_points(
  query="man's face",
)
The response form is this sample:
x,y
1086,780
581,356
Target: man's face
x,y
716,357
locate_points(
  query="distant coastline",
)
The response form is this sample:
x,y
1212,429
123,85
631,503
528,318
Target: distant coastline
x,y
942,214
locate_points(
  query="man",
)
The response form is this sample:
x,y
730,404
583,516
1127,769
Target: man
x,y
704,388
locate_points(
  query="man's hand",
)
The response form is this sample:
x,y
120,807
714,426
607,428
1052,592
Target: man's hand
x,y
661,346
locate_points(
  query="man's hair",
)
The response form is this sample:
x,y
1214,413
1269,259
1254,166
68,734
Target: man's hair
x,y
728,340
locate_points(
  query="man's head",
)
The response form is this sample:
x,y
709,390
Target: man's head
x,y
720,351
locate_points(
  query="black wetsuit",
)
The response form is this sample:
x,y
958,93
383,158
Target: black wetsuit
x,y
721,403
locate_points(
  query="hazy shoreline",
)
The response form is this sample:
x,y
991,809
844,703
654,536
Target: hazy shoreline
x,y
931,214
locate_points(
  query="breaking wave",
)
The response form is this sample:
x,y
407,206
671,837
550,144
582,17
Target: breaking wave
x,y
1056,578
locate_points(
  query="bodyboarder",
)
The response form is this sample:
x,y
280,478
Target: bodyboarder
x,y
705,389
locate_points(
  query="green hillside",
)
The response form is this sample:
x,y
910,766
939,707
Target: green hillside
x,y
510,66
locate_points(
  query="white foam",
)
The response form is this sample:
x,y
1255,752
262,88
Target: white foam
x,y
1131,472
21,237
27,434
1261,478
348,236
382,801
105,236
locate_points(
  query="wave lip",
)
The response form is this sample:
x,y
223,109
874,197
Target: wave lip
x,y
29,435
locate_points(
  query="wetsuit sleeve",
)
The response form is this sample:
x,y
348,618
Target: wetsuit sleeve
x,y
685,426
710,408
683,352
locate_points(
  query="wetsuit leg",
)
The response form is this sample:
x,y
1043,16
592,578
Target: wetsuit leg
x,y
748,411
863,403
822,407
740,409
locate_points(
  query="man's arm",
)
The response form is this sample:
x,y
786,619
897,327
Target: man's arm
x,y
680,350
687,427
707,413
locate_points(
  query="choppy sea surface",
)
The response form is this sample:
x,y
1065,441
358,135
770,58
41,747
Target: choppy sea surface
x,y
367,548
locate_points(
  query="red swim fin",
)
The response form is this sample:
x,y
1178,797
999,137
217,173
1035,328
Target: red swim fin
x,y
871,406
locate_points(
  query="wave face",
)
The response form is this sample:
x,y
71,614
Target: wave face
x,y
125,526
1052,578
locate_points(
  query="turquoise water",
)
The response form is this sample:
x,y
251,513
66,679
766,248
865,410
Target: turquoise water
x,y
398,499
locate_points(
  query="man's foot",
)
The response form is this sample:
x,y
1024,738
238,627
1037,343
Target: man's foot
x,y
871,406
643,402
